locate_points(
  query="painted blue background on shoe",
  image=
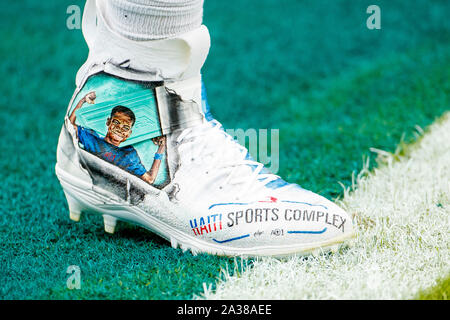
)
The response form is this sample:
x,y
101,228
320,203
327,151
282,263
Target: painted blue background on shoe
x,y
112,91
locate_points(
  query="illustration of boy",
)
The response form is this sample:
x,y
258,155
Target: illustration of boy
x,y
119,125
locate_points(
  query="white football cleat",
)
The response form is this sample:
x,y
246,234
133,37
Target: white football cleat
x,y
212,197
141,146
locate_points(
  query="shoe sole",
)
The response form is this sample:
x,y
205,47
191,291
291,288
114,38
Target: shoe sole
x,y
83,197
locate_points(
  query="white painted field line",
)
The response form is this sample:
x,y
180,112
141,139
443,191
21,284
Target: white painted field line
x,y
402,210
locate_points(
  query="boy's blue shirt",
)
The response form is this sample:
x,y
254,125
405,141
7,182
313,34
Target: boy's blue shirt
x,y
123,157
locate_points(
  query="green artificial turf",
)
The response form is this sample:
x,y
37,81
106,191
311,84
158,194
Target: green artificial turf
x,y
311,69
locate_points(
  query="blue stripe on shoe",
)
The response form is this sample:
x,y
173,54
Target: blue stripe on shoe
x,y
275,184
227,204
205,106
232,239
308,232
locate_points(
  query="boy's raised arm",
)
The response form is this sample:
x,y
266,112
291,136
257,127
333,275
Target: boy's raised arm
x,y
89,98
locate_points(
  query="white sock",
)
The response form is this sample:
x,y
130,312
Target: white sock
x,y
147,40
153,19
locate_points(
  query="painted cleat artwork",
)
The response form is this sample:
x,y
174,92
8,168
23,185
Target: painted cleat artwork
x,y
135,151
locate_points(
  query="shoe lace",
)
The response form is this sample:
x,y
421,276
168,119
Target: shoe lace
x,y
220,155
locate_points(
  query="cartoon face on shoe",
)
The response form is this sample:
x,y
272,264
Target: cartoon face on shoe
x,y
119,128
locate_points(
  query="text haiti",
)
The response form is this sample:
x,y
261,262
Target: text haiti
x,y
206,224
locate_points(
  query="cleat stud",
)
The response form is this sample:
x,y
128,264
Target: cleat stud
x,y
75,216
75,207
110,223
173,243
109,229
194,251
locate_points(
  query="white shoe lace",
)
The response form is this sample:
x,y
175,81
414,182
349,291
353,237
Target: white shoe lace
x,y
222,157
